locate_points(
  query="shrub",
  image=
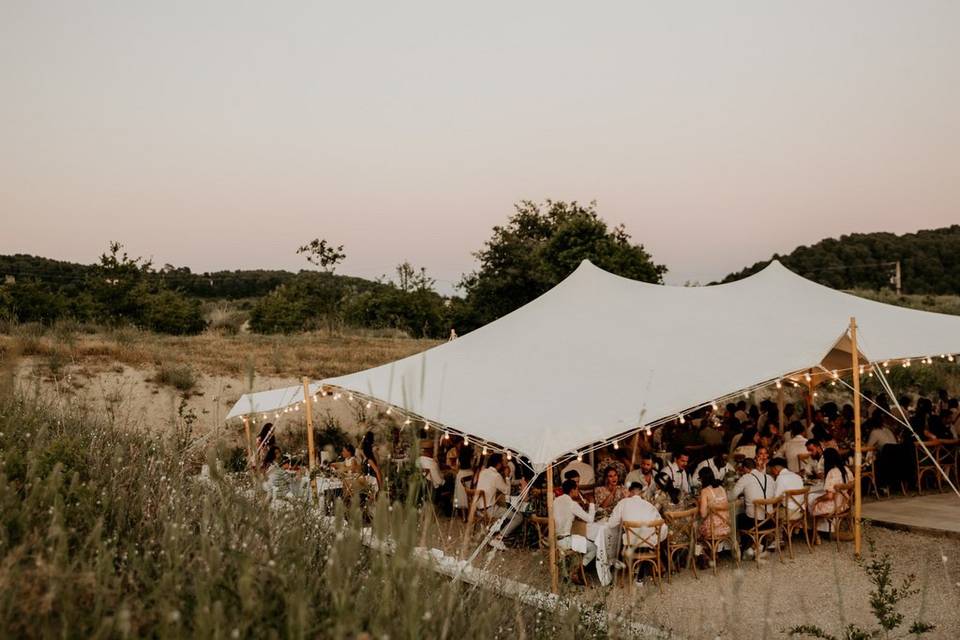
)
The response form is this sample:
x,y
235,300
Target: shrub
x,y
180,377
170,312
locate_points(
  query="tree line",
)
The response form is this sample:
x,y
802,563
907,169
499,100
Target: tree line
x,y
539,245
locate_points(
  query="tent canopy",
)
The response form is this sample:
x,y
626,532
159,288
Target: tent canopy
x,y
599,355
269,401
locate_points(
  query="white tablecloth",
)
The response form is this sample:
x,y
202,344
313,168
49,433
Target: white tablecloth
x,y
607,540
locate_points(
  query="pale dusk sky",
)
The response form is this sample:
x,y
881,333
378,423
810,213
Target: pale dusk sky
x,y
218,134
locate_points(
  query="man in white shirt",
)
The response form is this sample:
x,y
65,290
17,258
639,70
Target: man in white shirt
x,y
881,435
814,465
717,464
752,485
566,509
491,483
644,475
430,467
786,480
793,447
584,469
635,509
677,471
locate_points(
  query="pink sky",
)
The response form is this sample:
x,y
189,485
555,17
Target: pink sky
x,y
224,134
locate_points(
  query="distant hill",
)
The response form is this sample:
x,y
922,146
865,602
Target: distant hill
x,y
929,261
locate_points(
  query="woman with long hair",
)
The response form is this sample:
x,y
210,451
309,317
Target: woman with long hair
x,y
835,472
371,467
713,524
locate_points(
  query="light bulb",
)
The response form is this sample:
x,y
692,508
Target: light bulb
x,y
466,440
389,410
426,426
682,419
779,386
446,436
484,451
579,457
649,432
406,422
713,405
616,444
807,377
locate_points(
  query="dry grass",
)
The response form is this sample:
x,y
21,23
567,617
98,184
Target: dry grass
x,y
318,354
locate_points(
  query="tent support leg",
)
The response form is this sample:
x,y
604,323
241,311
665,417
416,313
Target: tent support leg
x,y
311,449
810,401
780,409
857,497
552,534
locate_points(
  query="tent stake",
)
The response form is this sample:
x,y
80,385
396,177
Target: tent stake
x,y
552,534
857,497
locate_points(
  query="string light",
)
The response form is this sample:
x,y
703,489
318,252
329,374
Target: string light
x,y
579,456
807,377
369,404
406,422
950,358
426,426
466,440
484,451
616,444
682,420
389,410
713,406
446,435
779,386
648,431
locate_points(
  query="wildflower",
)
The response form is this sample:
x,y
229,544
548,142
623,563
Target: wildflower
x,y
174,616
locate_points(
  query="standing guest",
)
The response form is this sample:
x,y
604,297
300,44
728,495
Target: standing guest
x,y
953,417
835,473
713,525
747,445
634,508
752,485
644,474
709,434
611,492
677,470
494,481
717,465
793,447
566,509
371,468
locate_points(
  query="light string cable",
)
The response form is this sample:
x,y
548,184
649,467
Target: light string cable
x,y
901,420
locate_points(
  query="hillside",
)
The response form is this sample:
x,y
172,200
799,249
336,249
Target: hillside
x,y
929,261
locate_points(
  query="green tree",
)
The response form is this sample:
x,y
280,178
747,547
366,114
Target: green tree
x,y
538,247
322,254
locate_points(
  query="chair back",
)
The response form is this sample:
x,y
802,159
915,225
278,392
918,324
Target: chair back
x,y
680,526
715,513
796,502
845,490
765,512
633,530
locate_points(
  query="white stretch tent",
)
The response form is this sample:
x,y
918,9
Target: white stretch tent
x,y
270,401
600,355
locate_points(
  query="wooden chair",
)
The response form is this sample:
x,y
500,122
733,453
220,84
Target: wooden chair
x,y
681,538
868,473
564,557
925,463
464,508
796,506
766,525
843,494
540,524
946,456
639,549
713,541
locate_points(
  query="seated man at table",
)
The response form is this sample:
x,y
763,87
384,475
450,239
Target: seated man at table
x,y
584,470
493,481
429,466
814,465
752,485
793,447
677,470
635,508
566,509
718,465
786,480
644,474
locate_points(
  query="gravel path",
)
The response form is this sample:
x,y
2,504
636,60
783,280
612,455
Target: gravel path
x,y
825,588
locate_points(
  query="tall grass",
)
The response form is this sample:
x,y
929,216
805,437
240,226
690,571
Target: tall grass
x,y
105,533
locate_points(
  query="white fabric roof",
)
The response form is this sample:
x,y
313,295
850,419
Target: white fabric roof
x,y
599,355
272,400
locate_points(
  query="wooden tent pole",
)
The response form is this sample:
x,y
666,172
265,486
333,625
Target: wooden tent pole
x,y
308,409
780,408
246,428
552,533
810,402
633,456
857,497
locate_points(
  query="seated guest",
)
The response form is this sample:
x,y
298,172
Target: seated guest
x,y
712,496
351,464
634,508
835,472
762,458
429,466
677,470
880,433
582,468
452,457
464,475
371,468
786,480
718,465
610,492
566,509
752,485
793,447
747,445
644,474
492,482
709,434
814,465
